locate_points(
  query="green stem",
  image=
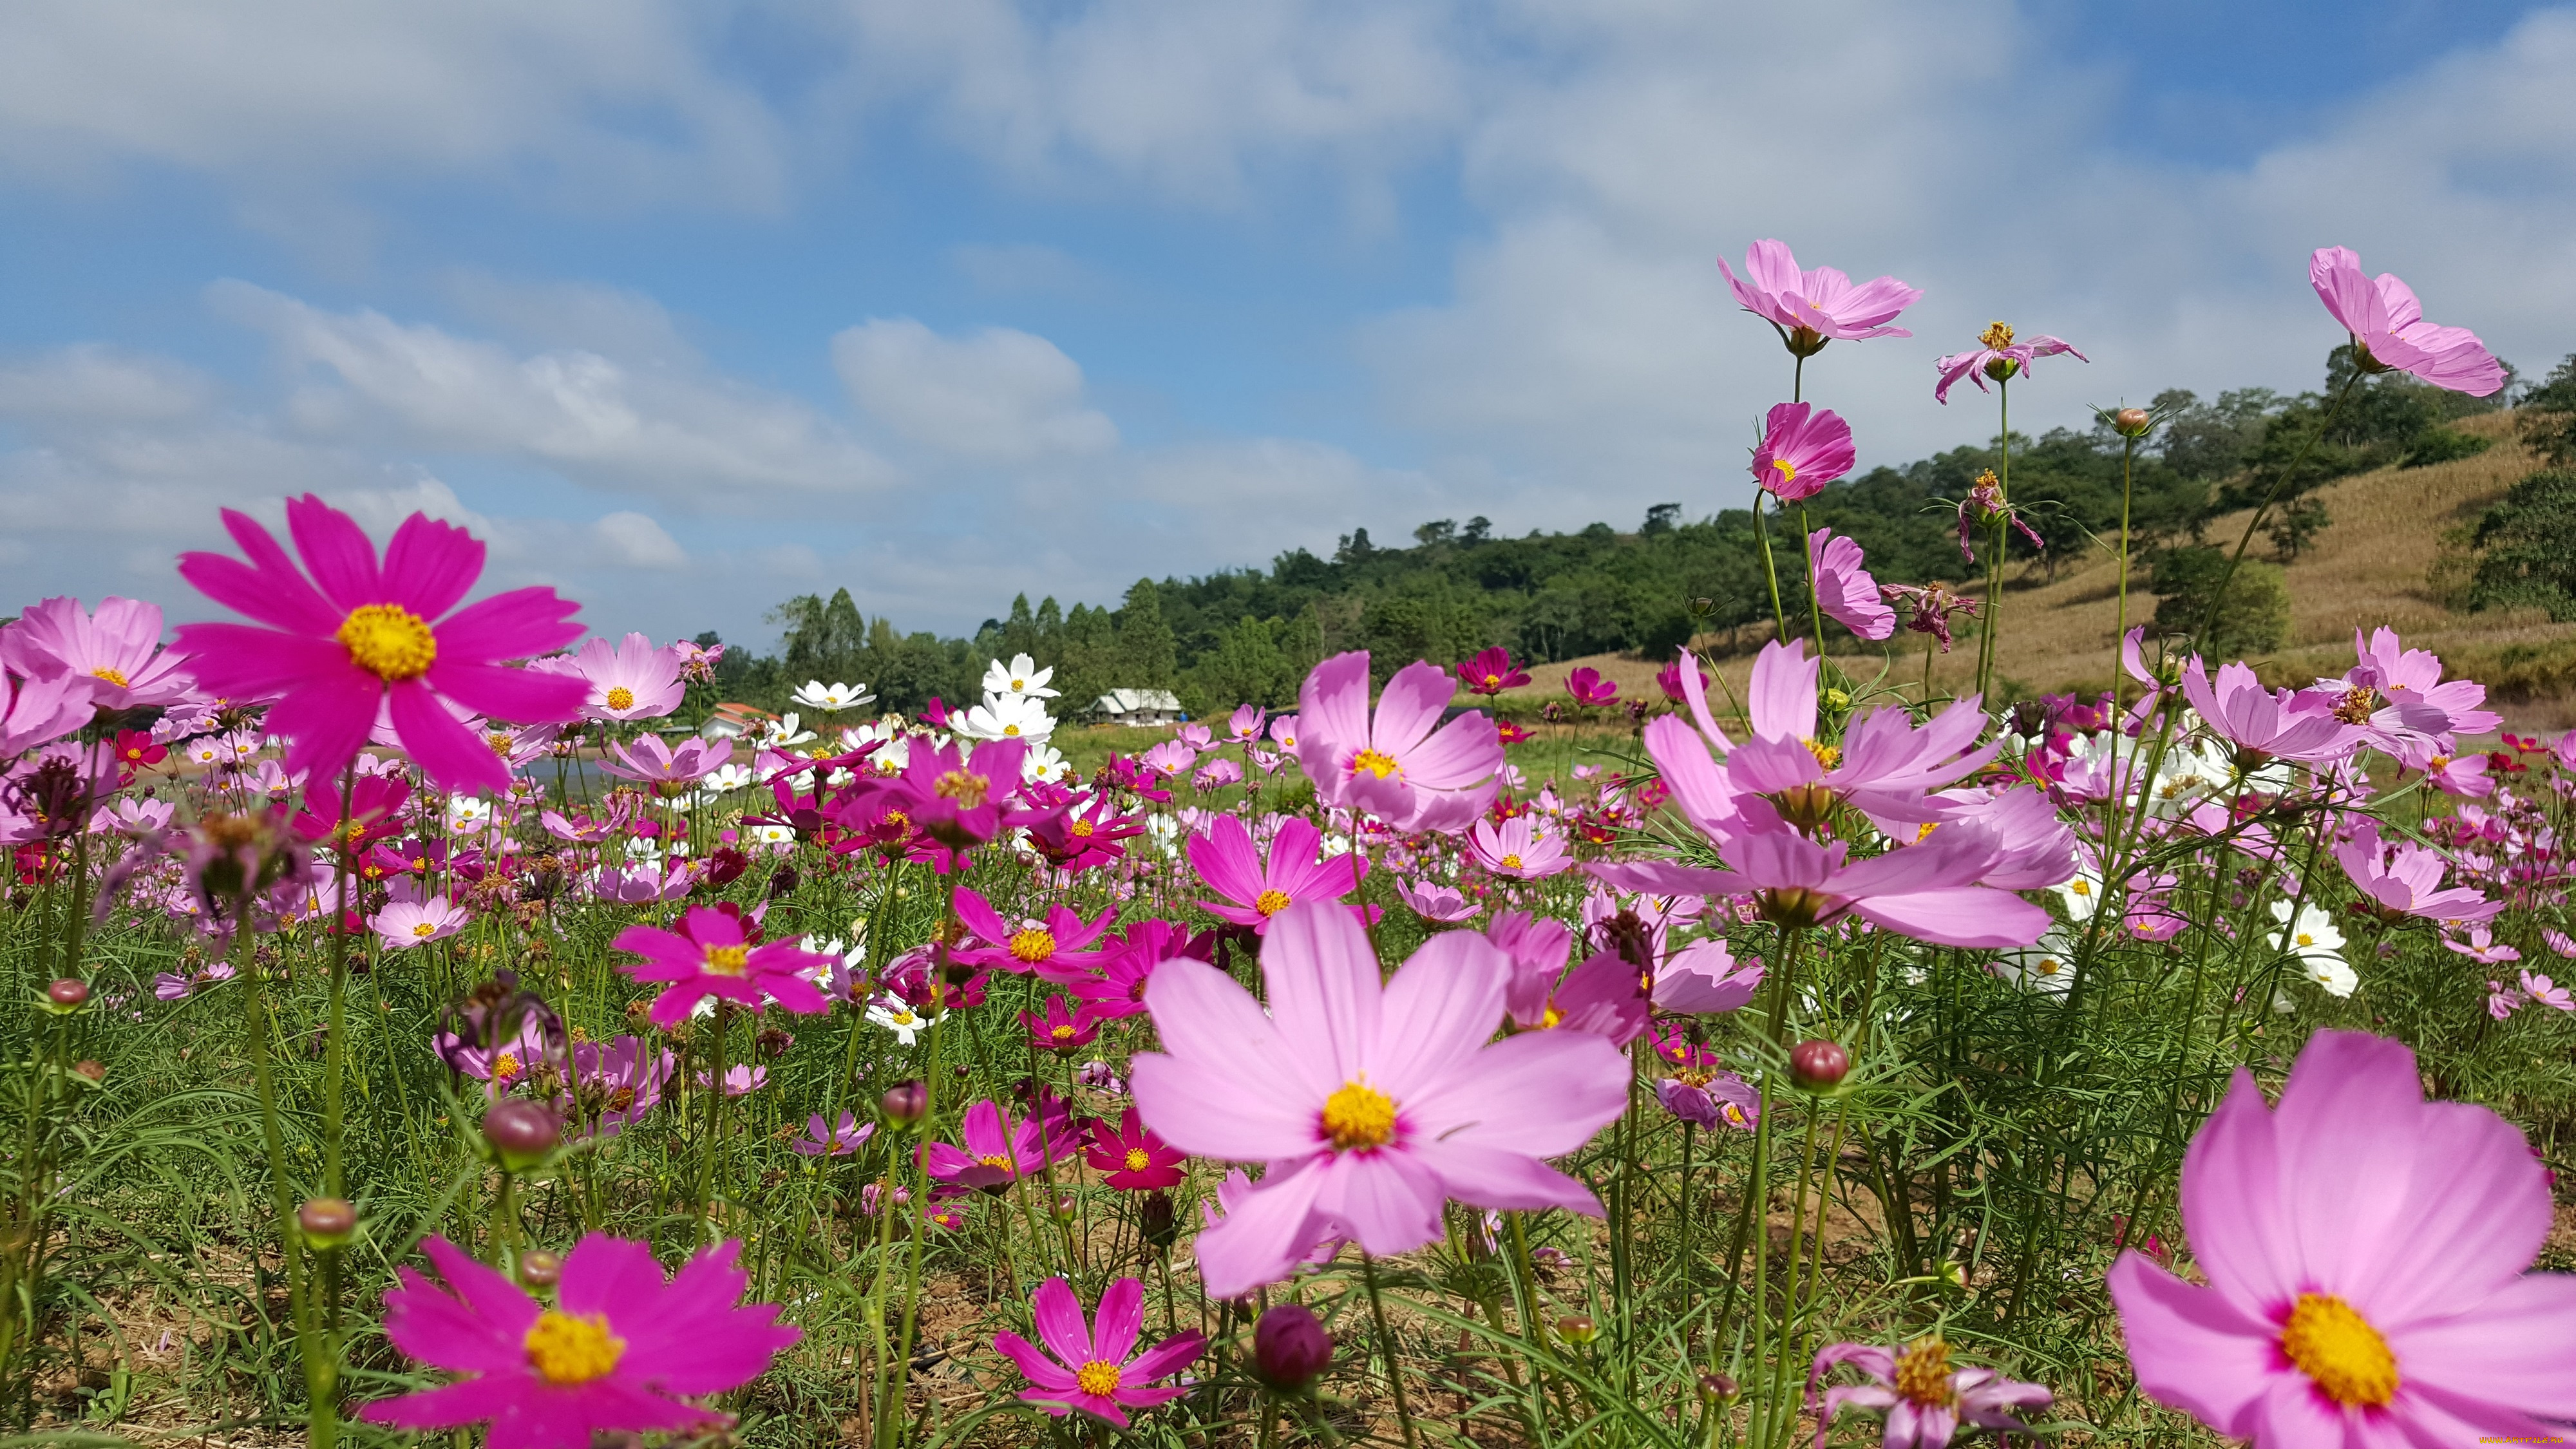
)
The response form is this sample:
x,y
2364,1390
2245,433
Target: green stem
x,y
1386,1349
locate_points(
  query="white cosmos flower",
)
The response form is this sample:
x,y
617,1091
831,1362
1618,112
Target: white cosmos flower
x,y
770,834
2083,895
2318,943
2048,967
726,778
896,1017
467,814
831,698
1021,677
1007,717
782,733
1043,762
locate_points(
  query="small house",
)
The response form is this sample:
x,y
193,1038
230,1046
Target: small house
x,y
733,721
1138,707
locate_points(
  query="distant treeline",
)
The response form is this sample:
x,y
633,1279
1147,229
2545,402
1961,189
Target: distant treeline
x,y
1251,634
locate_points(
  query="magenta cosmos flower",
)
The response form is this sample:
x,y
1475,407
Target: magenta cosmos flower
x,y
118,650
1373,1103
1256,889
1090,1370
1055,948
1804,447
609,1356
1924,1398
1403,765
1812,308
708,956
1130,1157
628,680
1998,357
2389,333
960,799
1588,687
998,1149
1844,589
373,637
1491,672
2365,1252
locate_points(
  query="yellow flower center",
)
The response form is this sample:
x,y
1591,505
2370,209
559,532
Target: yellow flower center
x,y
568,1349
505,1065
1923,1371
1099,1377
1826,755
112,676
1033,945
1788,470
995,1160
1010,729
1553,1016
2338,1349
2437,764
2357,705
1997,335
1376,763
1138,1159
620,697
1271,902
388,641
1082,827
1061,1033
967,789
2079,887
424,930
1511,862
2047,966
728,960
1359,1116
2306,940
499,740
1924,831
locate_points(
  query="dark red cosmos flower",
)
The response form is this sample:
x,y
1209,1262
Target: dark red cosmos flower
x,y
1491,672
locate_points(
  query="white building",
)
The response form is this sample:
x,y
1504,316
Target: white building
x,y
1138,707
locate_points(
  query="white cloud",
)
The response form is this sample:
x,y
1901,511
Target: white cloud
x,y
674,432
101,385
583,101
997,396
636,541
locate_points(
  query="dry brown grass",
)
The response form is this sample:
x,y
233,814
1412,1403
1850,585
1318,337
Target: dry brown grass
x,y
2368,568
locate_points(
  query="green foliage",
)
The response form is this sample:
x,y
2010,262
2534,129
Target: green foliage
x,y
2254,619
2527,548
2548,416
2443,445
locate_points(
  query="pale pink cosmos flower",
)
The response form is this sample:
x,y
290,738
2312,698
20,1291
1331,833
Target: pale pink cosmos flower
x,y
41,711
1244,725
2404,879
2389,333
649,760
2395,694
1373,1102
1519,848
1803,449
1704,978
2547,992
2261,725
412,919
1844,589
628,680
1403,765
2365,1253
1884,766
2482,947
1998,357
118,649
1256,889
1924,1398
1439,904
1810,308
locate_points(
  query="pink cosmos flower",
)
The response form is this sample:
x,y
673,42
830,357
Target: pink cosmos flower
x,y
2364,1251
1403,766
417,921
372,813
2396,693
998,1149
2405,880
2262,725
374,635
41,711
1803,449
1255,890
960,800
628,680
2389,333
1997,357
1216,775
1283,732
1439,904
612,1355
2482,947
1244,725
1884,766
1588,687
1372,1102
1058,948
709,956
1704,978
118,650
1710,1097
1093,1370
1518,848
1924,1398
1929,607
2559,942
1933,891
840,1139
1491,672
648,759
2547,992
1671,680
1130,1157
1844,589
1170,760
1060,1028
1811,308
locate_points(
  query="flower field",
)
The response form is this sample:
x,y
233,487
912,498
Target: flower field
x,y
418,1026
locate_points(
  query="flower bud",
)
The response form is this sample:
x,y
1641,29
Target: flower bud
x,y
1577,1328
539,1268
1290,1349
1819,1065
327,1221
1721,1387
2132,422
905,1102
69,994
1158,1218
521,1132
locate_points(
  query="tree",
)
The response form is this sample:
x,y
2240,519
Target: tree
x,y
1660,519
1146,654
2254,619
2527,548
2548,417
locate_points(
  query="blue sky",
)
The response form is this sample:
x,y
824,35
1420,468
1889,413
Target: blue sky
x,y
691,307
